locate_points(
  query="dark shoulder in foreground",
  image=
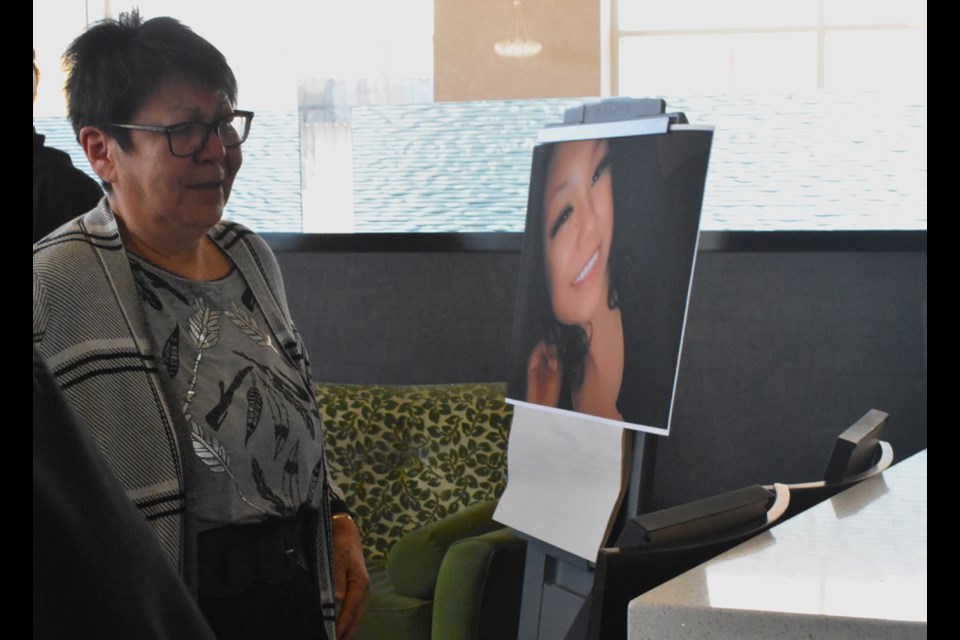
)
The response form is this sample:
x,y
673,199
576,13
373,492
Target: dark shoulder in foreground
x,y
61,191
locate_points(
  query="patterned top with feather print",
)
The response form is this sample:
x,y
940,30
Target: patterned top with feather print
x,y
252,426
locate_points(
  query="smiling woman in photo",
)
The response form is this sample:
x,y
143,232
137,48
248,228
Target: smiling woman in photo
x,y
608,248
578,361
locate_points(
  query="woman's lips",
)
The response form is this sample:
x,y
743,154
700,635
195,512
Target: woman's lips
x,y
213,184
587,268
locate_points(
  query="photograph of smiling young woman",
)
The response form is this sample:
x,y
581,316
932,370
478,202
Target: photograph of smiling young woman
x,y
577,353
606,266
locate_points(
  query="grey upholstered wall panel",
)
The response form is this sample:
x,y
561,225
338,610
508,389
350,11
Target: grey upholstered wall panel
x,y
404,318
782,350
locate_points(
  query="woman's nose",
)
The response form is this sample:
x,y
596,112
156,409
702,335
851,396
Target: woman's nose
x,y
589,219
213,150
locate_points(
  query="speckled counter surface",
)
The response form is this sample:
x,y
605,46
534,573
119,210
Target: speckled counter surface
x,y
853,567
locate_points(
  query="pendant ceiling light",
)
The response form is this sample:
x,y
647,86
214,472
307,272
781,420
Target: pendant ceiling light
x,y
517,44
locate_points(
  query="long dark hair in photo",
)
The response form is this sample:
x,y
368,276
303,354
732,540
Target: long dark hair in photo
x,y
536,321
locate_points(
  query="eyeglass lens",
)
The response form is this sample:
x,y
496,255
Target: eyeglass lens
x,y
189,138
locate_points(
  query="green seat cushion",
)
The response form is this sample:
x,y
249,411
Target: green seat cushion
x,y
414,562
479,589
388,615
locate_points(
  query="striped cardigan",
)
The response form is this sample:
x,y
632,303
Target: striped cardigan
x,y
89,326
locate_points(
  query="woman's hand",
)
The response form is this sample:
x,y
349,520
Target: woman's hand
x,y
350,579
544,375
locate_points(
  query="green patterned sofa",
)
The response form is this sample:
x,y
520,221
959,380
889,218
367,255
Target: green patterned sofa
x,y
422,467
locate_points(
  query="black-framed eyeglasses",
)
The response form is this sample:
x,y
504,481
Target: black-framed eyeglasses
x,y
186,139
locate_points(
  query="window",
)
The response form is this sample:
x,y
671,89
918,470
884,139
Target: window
x,y
732,46
819,105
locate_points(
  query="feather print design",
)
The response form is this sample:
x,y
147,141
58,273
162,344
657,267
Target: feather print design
x,y
288,387
291,474
212,453
204,326
157,282
250,328
248,300
315,476
216,415
149,296
264,489
171,352
254,409
281,427
307,420
270,398
280,431
160,283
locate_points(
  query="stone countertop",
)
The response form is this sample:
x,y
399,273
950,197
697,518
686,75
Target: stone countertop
x,y
852,567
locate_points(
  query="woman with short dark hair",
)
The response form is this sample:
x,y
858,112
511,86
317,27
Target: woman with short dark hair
x,y
169,332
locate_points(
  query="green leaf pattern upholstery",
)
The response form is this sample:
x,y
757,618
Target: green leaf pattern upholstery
x,y
406,456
